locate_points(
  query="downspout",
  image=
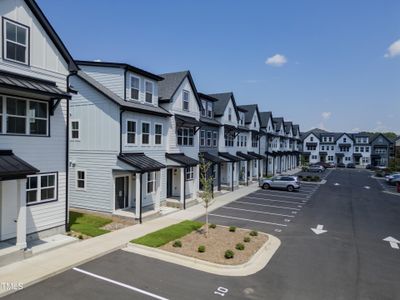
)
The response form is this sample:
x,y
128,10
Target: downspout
x,y
219,177
247,173
120,130
233,166
259,152
141,198
184,187
212,182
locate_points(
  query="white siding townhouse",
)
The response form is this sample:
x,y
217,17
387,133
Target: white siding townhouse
x,y
117,141
267,139
34,68
178,95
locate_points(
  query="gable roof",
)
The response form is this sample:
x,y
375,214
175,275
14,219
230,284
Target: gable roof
x,y
376,135
278,122
44,22
120,65
250,109
296,129
265,116
171,83
223,100
207,97
288,126
128,105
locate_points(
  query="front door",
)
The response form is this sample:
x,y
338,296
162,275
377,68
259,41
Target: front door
x,y
8,209
169,183
121,192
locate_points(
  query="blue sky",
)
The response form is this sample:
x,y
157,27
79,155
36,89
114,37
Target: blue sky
x,y
327,65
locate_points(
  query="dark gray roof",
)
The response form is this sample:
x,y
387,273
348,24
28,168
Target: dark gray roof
x,y
210,157
182,159
141,162
230,157
278,122
265,116
207,97
256,155
296,129
119,65
186,121
223,100
128,105
287,125
211,122
244,155
10,80
250,109
38,13
11,166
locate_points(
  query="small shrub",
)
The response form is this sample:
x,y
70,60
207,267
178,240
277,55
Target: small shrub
x,y
177,244
309,177
316,179
246,239
253,233
213,226
201,249
304,179
239,246
80,237
300,177
229,254
232,228
378,174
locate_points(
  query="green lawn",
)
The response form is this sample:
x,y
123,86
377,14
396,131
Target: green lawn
x,y
87,224
167,234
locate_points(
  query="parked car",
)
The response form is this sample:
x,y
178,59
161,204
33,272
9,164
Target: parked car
x,y
324,164
289,183
332,165
350,166
393,178
368,166
341,165
316,168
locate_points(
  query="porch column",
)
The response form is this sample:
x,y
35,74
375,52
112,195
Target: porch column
x,y
245,172
137,195
158,191
21,214
260,168
196,181
182,198
251,170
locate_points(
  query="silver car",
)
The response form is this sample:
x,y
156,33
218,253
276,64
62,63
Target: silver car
x,y
289,183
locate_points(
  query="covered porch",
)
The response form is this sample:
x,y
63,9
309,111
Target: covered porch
x,y
230,170
214,170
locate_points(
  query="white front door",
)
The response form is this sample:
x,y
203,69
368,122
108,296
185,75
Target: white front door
x,y
8,209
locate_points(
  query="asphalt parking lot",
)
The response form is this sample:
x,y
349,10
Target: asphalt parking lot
x,y
387,187
350,260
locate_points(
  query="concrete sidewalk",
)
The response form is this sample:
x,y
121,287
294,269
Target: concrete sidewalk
x,y
40,267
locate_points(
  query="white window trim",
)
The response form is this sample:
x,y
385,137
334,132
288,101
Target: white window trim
x,y
183,135
154,182
136,132
28,39
130,87
141,133
71,130
155,134
189,171
145,91
183,100
202,139
77,179
215,139
39,188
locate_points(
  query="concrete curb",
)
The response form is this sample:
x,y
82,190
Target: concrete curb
x,y
256,263
391,193
323,181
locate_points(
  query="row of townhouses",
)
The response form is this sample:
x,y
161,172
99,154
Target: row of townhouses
x,y
361,149
113,138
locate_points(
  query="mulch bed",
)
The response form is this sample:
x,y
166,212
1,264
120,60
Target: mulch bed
x,y
218,241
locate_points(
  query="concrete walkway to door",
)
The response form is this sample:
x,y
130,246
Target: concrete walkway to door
x,y
40,267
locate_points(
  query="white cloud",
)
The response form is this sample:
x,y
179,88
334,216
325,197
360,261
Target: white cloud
x,y
356,129
393,50
326,115
381,127
277,60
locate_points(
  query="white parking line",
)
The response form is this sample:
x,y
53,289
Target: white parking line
x,y
257,211
120,284
274,195
281,201
250,220
267,205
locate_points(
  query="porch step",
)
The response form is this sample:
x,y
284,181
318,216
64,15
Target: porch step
x,y
177,204
10,255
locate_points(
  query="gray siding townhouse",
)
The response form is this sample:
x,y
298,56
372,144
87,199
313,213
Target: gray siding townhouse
x,y
267,127
381,150
178,95
33,126
118,137
279,145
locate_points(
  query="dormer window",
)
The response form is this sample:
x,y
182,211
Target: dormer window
x,y
135,88
255,124
185,99
209,110
204,106
149,91
16,38
344,140
311,139
230,114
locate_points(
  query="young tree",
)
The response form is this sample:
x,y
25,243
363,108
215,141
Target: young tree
x,y
206,182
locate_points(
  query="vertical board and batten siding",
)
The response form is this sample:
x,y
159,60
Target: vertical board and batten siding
x,y
142,88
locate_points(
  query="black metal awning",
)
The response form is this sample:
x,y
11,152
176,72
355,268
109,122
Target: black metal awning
x,y
256,155
210,122
213,158
269,153
339,154
182,159
243,129
140,161
345,145
244,155
323,153
357,154
312,144
229,157
187,121
13,167
306,153
375,156
11,81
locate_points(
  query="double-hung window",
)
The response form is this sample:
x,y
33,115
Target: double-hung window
x,y
16,42
204,108
81,180
149,92
215,139
209,110
1,114
130,132
189,173
229,114
209,138
185,136
185,100
202,138
41,188
151,182
158,134
75,127
135,83
145,133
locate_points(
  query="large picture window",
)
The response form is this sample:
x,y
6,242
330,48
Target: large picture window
x,y
24,116
16,39
41,188
185,136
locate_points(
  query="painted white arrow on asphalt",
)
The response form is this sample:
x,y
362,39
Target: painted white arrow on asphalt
x,y
367,187
319,229
337,183
393,242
